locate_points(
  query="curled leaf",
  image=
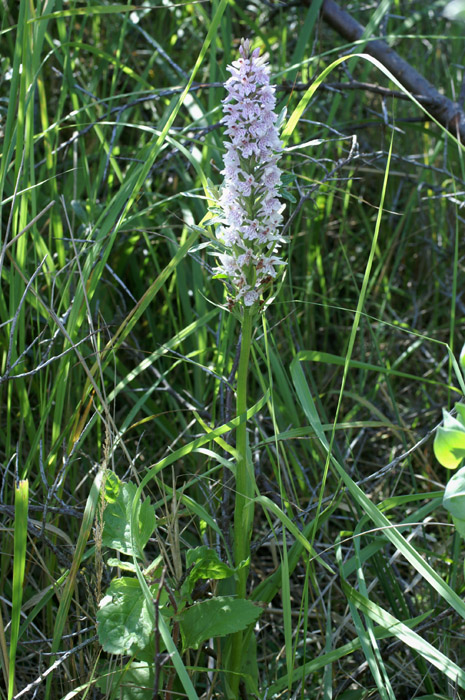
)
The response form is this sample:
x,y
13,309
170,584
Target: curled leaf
x,y
454,495
449,443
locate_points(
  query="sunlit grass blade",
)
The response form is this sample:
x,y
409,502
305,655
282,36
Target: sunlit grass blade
x,y
19,565
379,519
408,636
67,594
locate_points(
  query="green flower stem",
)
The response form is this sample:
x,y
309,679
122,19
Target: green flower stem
x,y
244,473
243,513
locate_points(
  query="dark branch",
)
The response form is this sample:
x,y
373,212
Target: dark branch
x,y
446,111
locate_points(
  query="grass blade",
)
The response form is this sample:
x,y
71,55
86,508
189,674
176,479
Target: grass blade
x,y
19,564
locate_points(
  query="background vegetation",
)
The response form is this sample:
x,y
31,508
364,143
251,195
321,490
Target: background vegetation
x,y
117,350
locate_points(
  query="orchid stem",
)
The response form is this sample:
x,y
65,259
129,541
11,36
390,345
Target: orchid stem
x,y
243,512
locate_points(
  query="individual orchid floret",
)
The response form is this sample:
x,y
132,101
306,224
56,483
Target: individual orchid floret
x,y
251,213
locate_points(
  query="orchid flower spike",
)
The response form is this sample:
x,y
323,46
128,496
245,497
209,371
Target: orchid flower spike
x,y
251,213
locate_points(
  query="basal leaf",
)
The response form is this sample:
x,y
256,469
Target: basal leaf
x,y
459,526
123,565
112,486
217,617
133,682
116,522
206,564
454,495
124,620
449,443
460,408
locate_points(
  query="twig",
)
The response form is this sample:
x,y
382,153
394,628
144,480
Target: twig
x,y
32,222
55,665
52,491
150,40
352,85
14,321
31,372
63,509
342,162
49,640
105,409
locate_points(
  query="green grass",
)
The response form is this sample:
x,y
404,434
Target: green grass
x,y
117,351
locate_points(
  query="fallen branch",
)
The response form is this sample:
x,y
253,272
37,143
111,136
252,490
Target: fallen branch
x,y
446,111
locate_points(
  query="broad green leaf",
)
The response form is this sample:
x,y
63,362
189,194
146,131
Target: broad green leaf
x,y
125,621
451,423
112,486
459,526
133,682
116,521
123,565
217,617
206,564
449,443
147,653
455,9
454,495
460,408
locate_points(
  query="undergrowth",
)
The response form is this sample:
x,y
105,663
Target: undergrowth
x,y
118,353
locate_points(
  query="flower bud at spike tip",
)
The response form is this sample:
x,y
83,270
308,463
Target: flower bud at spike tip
x,y
251,213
